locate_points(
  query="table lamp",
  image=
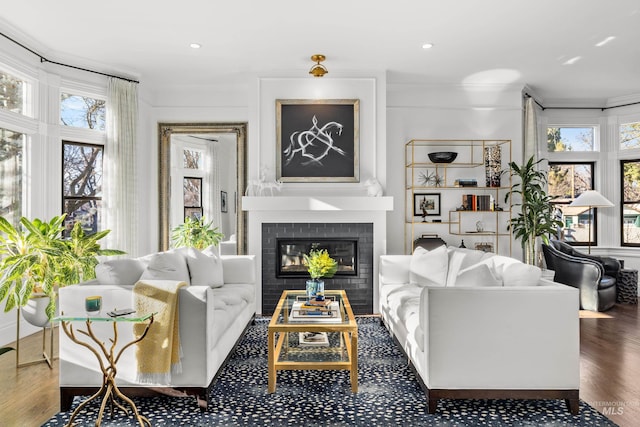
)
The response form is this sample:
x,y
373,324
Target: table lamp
x,y
591,199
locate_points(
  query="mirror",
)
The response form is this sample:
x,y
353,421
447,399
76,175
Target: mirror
x,y
196,178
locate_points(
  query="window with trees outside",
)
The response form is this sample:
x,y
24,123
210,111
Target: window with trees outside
x,y
630,170
82,112
567,181
629,135
571,138
11,160
82,185
12,93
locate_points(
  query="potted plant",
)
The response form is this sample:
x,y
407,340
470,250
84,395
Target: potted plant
x,y
319,265
536,219
196,233
36,260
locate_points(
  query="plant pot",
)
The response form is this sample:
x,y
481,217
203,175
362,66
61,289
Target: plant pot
x,y
35,311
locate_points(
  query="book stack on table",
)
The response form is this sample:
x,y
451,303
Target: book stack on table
x,y
312,311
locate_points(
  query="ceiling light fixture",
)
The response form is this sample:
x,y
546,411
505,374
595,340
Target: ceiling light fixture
x,y
318,70
605,41
195,45
427,45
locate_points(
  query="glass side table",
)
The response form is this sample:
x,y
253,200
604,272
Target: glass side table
x,y
107,359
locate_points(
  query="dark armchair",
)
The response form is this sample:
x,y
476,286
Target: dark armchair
x,y
595,276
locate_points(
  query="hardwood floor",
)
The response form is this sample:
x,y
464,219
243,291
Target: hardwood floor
x,y
609,371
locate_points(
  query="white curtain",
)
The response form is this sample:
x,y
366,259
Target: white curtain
x,y
530,130
119,203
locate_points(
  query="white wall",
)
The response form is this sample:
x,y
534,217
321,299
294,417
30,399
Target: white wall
x,y
439,112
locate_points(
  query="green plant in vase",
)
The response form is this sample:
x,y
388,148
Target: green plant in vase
x,y
319,265
196,233
36,260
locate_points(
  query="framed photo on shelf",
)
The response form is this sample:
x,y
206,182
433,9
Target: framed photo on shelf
x,y
317,140
223,202
426,204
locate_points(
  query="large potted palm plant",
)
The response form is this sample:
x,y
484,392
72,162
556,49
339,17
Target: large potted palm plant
x,y
535,220
36,260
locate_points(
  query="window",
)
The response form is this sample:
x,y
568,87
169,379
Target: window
x,y
566,182
82,112
12,93
11,160
571,138
82,185
630,202
630,135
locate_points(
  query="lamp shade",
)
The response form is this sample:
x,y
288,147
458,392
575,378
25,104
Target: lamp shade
x,y
591,199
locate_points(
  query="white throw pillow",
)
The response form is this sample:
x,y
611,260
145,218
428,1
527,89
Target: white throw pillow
x,y
119,272
166,266
477,275
205,268
521,274
429,268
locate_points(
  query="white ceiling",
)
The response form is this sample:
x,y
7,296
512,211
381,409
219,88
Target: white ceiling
x,y
476,41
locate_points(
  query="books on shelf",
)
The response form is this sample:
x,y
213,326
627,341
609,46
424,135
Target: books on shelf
x,y
313,339
478,202
468,182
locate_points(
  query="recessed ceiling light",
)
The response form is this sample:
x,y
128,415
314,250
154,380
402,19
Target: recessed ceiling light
x,y
195,45
605,41
427,45
572,60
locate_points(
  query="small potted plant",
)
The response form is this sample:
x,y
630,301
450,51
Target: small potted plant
x,y
319,265
196,233
36,260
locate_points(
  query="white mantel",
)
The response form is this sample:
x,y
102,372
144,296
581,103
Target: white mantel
x,y
311,209
320,203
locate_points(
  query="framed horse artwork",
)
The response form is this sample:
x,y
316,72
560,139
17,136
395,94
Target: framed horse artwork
x,y
317,140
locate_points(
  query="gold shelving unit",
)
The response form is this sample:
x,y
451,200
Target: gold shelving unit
x,y
461,224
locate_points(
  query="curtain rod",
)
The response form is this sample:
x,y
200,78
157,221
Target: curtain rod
x,y
43,59
579,108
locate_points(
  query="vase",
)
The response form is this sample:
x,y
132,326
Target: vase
x,y
315,289
35,311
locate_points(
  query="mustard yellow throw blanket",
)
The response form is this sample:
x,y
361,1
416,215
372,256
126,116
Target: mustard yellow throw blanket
x,y
159,353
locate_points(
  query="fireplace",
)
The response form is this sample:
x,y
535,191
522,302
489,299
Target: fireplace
x,y
351,244
291,255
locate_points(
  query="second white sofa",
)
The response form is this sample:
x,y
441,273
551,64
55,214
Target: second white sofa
x,y
483,326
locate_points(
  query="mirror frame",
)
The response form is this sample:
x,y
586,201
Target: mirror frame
x,y
165,130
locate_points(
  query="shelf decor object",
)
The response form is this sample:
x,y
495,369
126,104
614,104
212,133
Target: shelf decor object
x,y
443,156
493,165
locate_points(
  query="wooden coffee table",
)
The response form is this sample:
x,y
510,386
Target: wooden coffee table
x,y
286,353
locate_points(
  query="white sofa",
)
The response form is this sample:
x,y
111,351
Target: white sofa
x,y
479,325
214,311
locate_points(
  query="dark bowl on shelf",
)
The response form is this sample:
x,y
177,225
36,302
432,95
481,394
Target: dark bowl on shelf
x,y
443,156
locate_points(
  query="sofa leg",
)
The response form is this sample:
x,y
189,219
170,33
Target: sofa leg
x,y
573,405
66,399
433,406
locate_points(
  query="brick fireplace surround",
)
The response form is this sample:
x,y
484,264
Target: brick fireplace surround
x,y
358,217
359,287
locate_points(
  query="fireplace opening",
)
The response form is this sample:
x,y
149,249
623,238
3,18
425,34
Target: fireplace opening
x,y
290,261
